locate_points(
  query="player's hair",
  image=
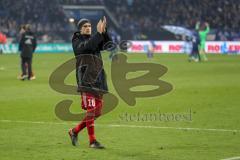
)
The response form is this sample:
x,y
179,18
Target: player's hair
x,y
27,27
22,26
81,22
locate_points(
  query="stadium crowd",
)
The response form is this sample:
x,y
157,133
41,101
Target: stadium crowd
x,y
145,16
81,2
43,16
134,16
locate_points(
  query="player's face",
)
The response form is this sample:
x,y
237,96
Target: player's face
x,y
86,29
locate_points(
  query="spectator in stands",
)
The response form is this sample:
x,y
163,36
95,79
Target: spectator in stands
x,y
3,40
134,16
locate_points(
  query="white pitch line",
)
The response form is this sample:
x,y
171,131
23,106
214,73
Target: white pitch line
x,y
36,122
176,128
233,158
126,126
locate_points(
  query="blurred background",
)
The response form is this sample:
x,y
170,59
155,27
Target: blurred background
x,y
54,21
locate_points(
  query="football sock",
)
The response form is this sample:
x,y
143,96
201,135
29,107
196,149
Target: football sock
x,y
90,128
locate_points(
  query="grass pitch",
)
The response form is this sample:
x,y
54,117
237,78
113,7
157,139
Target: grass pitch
x,y
208,92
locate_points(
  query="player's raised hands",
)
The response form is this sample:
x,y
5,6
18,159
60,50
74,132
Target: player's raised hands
x,y
99,27
104,24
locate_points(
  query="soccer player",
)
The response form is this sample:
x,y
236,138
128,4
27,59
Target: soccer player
x,y
90,75
203,30
150,49
195,40
27,46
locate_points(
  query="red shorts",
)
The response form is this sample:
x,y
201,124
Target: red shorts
x,y
92,103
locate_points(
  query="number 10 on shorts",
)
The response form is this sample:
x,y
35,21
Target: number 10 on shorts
x,y
91,102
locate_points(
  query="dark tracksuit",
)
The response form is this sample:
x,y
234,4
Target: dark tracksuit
x,y
91,77
196,43
27,46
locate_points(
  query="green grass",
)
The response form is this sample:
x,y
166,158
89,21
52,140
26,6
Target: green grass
x,y
211,90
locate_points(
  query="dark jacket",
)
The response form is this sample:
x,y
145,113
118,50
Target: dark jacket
x,y
195,41
28,44
90,74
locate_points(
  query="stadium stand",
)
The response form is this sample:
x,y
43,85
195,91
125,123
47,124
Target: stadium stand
x,y
138,19
44,17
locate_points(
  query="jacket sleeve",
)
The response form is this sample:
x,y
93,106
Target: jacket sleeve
x,y
106,39
21,43
83,47
207,30
34,43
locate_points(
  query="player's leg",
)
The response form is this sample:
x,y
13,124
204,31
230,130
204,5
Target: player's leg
x,y
195,57
191,56
93,105
203,56
29,67
73,132
24,69
198,54
90,125
32,76
98,108
84,104
73,136
93,111
202,52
